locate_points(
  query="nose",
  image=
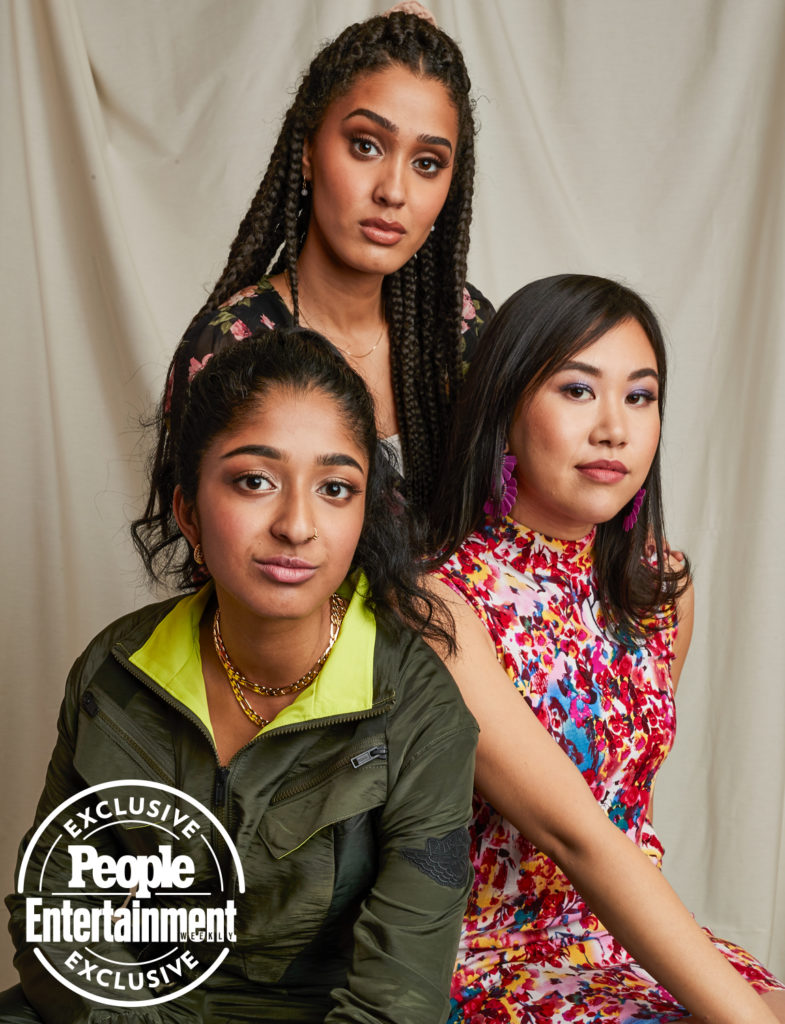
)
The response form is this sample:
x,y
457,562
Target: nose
x,y
390,186
295,521
611,427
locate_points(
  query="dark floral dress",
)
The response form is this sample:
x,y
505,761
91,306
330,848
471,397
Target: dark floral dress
x,y
260,306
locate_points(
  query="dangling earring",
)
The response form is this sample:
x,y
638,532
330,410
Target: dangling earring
x,y
198,555
506,486
632,516
304,189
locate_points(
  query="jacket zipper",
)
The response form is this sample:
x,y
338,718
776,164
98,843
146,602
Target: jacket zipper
x,y
378,752
373,754
90,705
221,781
222,772
221,785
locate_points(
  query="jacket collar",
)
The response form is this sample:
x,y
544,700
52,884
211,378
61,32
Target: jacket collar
x,y
171,658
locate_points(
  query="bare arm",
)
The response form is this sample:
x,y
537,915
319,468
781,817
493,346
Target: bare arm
x,y
685,614
533,783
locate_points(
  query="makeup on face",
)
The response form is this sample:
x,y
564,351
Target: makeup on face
x,y
587,436
380,167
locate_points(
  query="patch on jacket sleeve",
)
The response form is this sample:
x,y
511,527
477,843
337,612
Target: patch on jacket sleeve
x,y
445,860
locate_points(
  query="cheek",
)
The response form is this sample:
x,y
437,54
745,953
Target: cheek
x,y
430,206
653,438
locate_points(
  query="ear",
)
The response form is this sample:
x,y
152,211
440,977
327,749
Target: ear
x,y
306,166
186,517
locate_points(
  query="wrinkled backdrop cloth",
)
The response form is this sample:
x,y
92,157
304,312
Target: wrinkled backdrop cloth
x,y
638,140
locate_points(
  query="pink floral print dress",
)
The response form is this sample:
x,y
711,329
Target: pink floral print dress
x,y
531,950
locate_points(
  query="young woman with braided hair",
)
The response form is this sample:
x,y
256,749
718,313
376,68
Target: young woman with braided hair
x,y
362,224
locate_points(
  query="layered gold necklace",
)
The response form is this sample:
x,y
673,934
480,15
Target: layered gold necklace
x,y
346,352
238,682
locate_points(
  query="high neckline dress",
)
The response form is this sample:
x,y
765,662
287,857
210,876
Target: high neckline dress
x,y
531,950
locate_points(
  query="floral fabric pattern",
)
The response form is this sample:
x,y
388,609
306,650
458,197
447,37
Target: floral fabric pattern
x,y
531,950
260,306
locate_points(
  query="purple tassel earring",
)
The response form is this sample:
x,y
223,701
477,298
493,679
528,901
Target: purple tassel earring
x,y
507,488
632,517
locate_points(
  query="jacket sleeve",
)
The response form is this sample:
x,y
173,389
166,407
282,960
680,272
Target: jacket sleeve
x,y
406,935
54,1002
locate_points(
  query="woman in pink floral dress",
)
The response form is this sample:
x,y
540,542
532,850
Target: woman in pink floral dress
x,y
563,579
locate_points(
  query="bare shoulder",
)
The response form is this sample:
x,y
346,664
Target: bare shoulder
x,y
685,617
472,636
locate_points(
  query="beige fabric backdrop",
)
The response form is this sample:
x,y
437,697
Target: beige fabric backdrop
x,y
636,139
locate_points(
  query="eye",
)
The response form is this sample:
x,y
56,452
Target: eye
x,y
365,147
338,489
429,166
577,392
643,397
253,482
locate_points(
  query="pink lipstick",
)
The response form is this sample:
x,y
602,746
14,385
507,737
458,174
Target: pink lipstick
x,y
604,471
283,569
383,232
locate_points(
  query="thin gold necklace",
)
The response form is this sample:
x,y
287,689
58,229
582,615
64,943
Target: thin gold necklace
x,y
237,680
346,352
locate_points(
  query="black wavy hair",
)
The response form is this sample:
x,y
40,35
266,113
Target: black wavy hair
x,y
423,301
537,330
228,388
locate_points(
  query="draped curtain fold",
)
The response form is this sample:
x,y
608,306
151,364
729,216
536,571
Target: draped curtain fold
x,y
641,141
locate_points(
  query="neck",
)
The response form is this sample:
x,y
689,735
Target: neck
x,y
273,651
339,299
557,528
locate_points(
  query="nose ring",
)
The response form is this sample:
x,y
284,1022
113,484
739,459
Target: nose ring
x,y
315,534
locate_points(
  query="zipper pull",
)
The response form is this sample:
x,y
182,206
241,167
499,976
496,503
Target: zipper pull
x,y
375,753
219,793
90,704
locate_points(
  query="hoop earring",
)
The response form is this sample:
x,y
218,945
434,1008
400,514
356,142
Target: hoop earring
x,y
632,516
198,555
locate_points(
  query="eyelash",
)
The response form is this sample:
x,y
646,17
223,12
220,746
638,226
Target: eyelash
x,y
577,391
647,396
244,478
438,163
352,490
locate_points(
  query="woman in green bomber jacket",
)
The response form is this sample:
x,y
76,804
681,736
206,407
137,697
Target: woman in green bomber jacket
x,y
284,694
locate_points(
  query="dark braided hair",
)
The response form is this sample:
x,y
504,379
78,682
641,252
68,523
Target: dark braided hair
x,y
423,300
229,388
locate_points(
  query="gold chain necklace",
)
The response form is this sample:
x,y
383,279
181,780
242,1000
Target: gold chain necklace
x,y
340,348
237,680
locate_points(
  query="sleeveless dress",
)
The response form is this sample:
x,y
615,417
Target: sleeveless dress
x,y
531,950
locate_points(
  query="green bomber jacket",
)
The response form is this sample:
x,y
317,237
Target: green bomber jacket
x,y
348,812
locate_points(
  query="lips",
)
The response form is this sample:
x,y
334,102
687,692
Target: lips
x,y
604,471
382,232
283,569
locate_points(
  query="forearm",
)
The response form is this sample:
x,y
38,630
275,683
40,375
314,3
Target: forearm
x,y
639,908
620,884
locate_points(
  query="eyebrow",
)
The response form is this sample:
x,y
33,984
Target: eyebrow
x,y
593,371
264,451
428,140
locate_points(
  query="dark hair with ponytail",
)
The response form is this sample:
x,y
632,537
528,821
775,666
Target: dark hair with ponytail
x,y
228,388
423,301
537,330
